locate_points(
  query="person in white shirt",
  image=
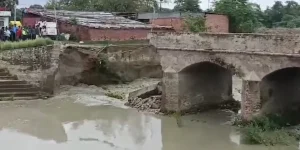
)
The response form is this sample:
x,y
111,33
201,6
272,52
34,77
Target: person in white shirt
x,y
7,34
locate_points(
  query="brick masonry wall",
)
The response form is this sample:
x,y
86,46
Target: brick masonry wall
x,y
266,43
176,23
80,32
83,33
214,22
119,34
30,19
217,23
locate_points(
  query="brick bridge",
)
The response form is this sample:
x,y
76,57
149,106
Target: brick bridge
x,y
198,70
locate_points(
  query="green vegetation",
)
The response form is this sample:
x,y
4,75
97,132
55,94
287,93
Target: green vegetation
x,y
61,37
105,5
177,116
73,21
25,44
195,24
113,95
8,3
245,16
187,6
267,130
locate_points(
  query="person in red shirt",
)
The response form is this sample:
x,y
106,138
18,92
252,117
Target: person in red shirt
x,y
19,33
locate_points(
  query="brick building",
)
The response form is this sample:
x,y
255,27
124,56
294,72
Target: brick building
x,y
94,26
215,23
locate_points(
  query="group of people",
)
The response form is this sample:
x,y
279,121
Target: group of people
x,y
14,33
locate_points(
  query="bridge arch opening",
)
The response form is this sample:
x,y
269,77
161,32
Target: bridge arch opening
x,y
204,84
280,94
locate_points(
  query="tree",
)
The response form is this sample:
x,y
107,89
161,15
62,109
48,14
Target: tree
x,y
9,3
243,16
187,6
280,15
105,5
36,6
291,8
117,5
195,24
277,11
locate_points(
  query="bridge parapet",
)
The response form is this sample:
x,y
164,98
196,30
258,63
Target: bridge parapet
x,y
262,43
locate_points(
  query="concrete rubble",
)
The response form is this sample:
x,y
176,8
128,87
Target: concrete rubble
x,y
150,104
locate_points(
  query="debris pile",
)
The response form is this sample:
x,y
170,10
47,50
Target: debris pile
x,y
150,104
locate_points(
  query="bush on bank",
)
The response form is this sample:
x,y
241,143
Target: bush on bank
x,y
268,130
8,45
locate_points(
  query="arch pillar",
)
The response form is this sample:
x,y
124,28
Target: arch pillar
x,y
170,95
251,102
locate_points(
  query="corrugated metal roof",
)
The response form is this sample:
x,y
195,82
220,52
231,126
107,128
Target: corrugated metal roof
x,y
95,19
167,15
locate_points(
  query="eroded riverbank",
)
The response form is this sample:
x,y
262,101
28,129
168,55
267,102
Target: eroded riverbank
x,y
84,118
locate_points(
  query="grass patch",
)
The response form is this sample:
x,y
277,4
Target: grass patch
x,y
177,116
113,95
267,130
8,45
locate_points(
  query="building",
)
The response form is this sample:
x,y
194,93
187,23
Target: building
x,y
215,23
4,17
94,26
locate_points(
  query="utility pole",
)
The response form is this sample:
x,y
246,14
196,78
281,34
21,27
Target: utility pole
x,y
208,4
160,5
54,1
152,18
15,11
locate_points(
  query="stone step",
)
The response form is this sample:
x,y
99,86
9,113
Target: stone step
x,y
3,70
5,74
19,94
15,86
18,98
5,82
2,90
8,78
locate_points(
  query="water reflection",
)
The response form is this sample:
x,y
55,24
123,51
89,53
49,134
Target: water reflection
x,y
121,137
63,125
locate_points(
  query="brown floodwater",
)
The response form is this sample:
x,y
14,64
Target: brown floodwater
x,y
90,121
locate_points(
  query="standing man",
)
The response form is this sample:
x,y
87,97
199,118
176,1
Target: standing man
x,y
11,29
25,33
7,34
15,30
2,35
33,33
19,33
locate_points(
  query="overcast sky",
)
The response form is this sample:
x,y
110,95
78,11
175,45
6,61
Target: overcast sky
x,y
204,4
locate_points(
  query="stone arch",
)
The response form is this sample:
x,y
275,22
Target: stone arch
x,y
280,92
204,84
275,67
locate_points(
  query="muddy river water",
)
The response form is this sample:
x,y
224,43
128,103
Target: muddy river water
x,y
87,120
